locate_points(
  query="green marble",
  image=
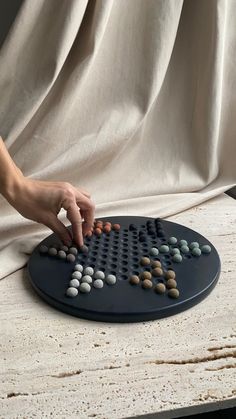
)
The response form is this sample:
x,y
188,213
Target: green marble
x,y
177,258
164,248
172,240
196,251
193,244
206,248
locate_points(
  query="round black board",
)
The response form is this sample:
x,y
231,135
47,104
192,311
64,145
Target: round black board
x,y
119,253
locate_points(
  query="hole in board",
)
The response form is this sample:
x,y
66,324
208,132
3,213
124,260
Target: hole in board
x,y
113,266
124,262
135,273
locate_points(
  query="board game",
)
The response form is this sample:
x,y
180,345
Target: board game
x,y
144,269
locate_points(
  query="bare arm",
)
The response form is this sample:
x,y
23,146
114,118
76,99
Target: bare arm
x,y
41,201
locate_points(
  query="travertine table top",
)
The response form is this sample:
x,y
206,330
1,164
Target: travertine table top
x,y
55,365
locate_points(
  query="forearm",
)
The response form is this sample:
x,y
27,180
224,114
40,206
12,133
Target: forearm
x,y
41,201
10,174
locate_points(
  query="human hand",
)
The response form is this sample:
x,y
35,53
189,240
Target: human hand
x,y
41,201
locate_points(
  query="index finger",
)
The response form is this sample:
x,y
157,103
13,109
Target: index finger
x,y
73,215
87,211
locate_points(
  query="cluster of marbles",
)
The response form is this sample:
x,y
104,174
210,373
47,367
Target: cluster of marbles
x,y
167,279
63,252
193,248
82,279
100,227
153,228
183,248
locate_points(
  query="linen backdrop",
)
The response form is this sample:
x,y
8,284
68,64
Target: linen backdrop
x,y
132,99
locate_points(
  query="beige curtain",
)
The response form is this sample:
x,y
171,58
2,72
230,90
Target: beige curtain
x,y
132,99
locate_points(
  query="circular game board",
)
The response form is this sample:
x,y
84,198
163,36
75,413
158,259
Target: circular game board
x,y
119,253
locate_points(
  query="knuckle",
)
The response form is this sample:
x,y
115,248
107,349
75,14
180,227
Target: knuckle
x,y
65,185
68,191
91,205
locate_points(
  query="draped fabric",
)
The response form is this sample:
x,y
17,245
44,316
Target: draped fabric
x,y
133,100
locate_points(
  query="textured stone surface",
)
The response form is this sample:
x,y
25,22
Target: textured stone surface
x,y
55,364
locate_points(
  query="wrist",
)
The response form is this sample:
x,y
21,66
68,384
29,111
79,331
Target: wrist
x,y
12,184
11,177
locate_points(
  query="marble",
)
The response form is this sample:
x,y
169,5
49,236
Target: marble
x,y
85,287
78,267
98,283
76,275
183,243
154,251
74,283
177,258
84,249
99,275
172,240
145,261
170,274
164,248
134,280
71,292
87,278
73,251
193,244
89,271
43,248
110,279
171,283
184,249
174,251
62,254
147,284
155,264
160,288
173,293
52,251
70,257
196,251
157,272
145,275
206,248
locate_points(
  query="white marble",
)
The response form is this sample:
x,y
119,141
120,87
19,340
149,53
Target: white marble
x,y
110,279
71,291
74,283
98,283
87,278
78,267
99,275
76,275
85,287
89,271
